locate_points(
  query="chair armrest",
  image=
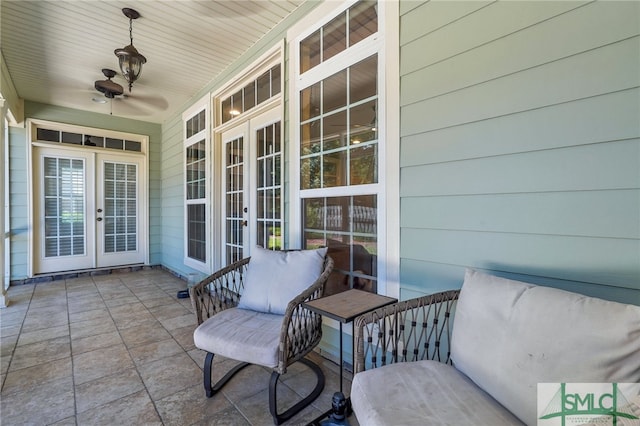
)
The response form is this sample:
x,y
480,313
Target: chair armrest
x,y
219,291
410,330
302,328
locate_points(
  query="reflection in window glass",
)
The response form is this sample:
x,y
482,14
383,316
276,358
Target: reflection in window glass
x,y
363,21
331,39
340,148
252,94
310,52
348,226
334,37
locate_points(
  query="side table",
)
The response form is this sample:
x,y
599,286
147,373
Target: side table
x,y
344,307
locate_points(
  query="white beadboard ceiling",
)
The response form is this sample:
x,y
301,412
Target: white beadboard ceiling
x,y
55,50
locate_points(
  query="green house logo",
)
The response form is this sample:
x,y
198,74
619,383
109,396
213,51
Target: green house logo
x,y
616,404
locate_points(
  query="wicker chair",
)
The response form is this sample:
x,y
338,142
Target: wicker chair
x,y
411,330
299,331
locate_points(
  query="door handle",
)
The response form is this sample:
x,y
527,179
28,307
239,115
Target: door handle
x,y
99,210
244,223
99,219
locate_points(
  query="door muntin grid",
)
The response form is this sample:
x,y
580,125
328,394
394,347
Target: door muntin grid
x,y
234,198
120,207
269,187
64,207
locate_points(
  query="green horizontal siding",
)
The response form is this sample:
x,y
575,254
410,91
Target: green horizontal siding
x,y
520,145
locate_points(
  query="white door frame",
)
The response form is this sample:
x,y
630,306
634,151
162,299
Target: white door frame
x,y
139,155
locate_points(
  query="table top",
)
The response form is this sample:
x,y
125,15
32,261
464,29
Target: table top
x,y
347,305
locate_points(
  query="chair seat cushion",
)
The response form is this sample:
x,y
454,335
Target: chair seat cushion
x,y
423,392
242,335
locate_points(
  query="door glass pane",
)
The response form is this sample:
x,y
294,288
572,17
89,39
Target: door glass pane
x,y
234,199
269,187
120,207
64,201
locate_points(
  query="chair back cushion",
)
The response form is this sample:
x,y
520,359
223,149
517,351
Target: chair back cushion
x,y
274,278
508,336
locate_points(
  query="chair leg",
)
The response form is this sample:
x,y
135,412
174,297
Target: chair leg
x,y
273,400
208,364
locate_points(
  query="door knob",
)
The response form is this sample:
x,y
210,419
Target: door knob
x,y
99,219
99,210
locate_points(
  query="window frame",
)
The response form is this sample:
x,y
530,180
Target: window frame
x,y
204,134
384,43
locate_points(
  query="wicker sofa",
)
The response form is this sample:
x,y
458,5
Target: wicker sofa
x,y
475,356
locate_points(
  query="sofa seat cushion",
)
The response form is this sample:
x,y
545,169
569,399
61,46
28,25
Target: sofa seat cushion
x,y
423,392
242,335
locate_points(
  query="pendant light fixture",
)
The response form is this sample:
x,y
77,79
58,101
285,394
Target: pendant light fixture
x,y
130,60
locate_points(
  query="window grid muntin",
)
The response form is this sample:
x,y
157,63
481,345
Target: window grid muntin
x,y
196,187
196,232
44,134
252,94
314,159
316,41
348,226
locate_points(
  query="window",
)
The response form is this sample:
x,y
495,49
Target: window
x,y
337,90
252,94
196,162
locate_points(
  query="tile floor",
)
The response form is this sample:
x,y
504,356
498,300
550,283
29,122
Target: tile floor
x,y
118,350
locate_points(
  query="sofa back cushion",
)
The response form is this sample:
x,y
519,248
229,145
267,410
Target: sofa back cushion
x,y
508,336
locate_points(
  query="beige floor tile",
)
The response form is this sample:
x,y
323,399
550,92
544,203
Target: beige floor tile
x,y
38,375
41,405
155,351
99,363
91,327
8,344
187,320
159,300
97,341
91,395
229,417
148,332
169,375
191,405
40,353
135,409
245,383
172,310
99,311
184,336
43,334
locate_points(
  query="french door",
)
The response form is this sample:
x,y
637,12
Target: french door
x,y
88,209
252,183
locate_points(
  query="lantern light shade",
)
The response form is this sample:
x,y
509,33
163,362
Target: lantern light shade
x,y
129,59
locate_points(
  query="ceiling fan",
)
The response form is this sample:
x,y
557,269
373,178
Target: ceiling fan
x,y
109,88
135,105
